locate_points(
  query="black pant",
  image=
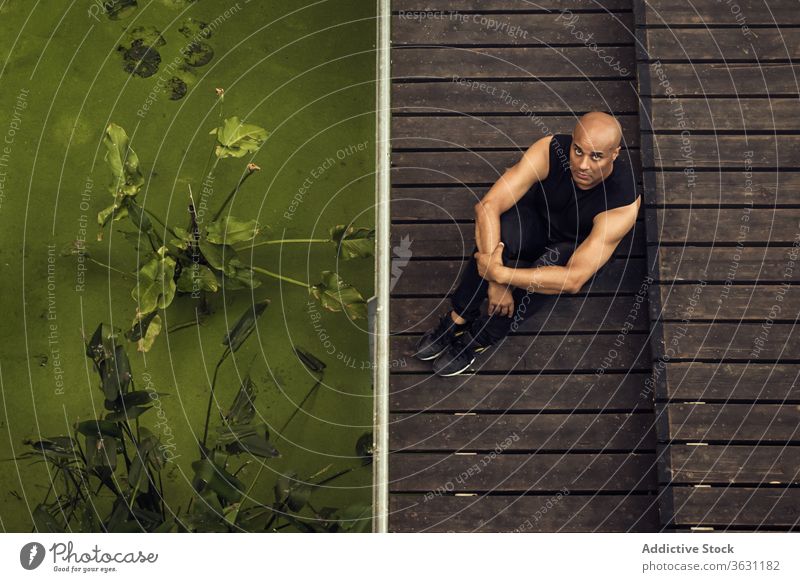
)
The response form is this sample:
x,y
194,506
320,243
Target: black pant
x,y
526,245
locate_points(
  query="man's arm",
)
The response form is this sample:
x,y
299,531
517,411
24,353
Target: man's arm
x,y
609,229
507,191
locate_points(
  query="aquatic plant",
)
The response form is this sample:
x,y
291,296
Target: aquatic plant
x,y
137,502
203,258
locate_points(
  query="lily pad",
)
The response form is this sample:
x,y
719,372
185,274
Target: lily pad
x,y
193,28
353,242
147,35
119,9
177,88
156,285
198,54
230,230
140,60
237,139
336,295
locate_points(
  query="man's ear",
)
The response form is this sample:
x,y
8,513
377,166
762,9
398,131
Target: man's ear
x,y
616,153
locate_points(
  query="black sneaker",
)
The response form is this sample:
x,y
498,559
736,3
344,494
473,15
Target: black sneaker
x,y
434,341
459,355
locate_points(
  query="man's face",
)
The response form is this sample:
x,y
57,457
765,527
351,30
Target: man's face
x,y
590,162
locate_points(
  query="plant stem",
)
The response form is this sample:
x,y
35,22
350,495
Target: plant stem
x,y
231,195
161,222
183,325
284,240
336,476
296,410
258,474
110,268
211,396
281,277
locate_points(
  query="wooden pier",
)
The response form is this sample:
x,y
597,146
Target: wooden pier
x,y
578,421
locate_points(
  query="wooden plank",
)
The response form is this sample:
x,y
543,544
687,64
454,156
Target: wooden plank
x,y
742,302
728,44
722,151
745,115
717,341
745,382
521,432
518,62
562,97
723,79
521,473
445,203
721,225
410,132
491,131
519,5
518,353
479,392
528,513
511,29
734,464
557,313
742,264
721,188
458,240
670,12
438,278
765,423
460,167
733,506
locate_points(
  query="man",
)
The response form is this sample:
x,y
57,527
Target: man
x,y
546,227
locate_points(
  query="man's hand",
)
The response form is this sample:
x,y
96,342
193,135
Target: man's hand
x,y
501,300
490,264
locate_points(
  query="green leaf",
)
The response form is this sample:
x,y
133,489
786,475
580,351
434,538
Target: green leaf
x,y
230,230
356,518
353,242
221,257
242,410
197,277
140,326
242,278
156,286
101,452
130,414
217,479
245,325
138,216
291,491
44,522
311,362
59,447
114,211
336,295
101,345
236,139
115,374
247,438
95,428
123,161
137,474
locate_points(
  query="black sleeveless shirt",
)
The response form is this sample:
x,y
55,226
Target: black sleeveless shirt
x,y
568,210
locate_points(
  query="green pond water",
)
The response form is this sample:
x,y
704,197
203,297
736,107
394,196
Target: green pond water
x,y
304,71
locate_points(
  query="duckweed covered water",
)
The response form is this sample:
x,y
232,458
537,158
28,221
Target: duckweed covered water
x,y
304,71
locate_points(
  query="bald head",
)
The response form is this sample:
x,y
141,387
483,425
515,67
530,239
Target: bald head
x,y
602,130
596,143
